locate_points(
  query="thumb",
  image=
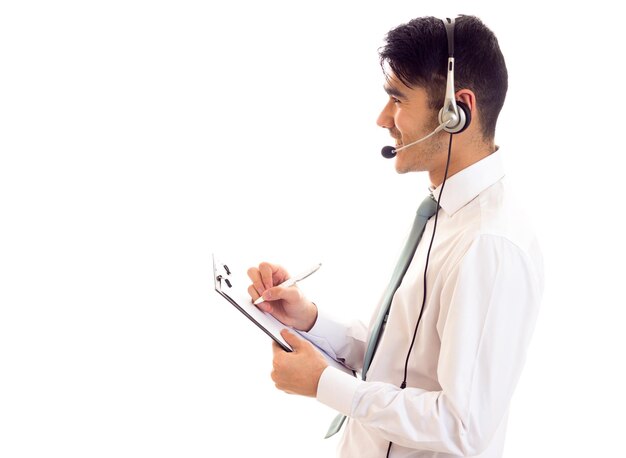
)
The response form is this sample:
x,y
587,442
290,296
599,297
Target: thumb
x,y
292,339
278,292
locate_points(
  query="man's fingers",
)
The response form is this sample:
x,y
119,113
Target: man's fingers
x,y
255,276
253,273
268,273
294,341
265,277
254,294
290,294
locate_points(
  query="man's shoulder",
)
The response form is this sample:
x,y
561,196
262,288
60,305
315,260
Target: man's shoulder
x,y
497,215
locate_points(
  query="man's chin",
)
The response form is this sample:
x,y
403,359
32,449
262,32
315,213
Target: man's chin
x,y
401,170
403,167
402,164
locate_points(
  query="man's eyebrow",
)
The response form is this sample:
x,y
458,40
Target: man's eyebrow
x,y
392,91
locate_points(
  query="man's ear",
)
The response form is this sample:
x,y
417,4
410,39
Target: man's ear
x,y
468,98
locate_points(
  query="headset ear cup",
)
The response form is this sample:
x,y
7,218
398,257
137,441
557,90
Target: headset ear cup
x,y
464,112
465,117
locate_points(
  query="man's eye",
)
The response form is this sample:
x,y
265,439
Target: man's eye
x,y
395,100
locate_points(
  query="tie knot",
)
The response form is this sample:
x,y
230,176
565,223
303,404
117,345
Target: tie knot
x,y
428,207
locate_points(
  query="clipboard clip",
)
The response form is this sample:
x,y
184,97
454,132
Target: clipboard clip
x,y
220,277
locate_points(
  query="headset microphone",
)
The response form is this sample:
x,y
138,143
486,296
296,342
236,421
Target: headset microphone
x,y
390,152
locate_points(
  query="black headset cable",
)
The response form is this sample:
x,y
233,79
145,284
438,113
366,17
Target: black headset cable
x,y
430,246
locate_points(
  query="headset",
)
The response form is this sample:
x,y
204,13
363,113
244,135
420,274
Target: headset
x,y
454,117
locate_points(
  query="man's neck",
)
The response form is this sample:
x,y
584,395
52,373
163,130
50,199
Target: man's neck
x,y
460,159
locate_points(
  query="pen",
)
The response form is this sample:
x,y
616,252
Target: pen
x,y
293,280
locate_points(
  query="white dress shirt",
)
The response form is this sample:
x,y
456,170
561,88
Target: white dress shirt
x,y
484,283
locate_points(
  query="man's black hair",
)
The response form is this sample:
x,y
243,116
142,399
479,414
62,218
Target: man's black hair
x,y
417,53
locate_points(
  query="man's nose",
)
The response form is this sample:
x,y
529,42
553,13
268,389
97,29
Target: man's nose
x,y
385,118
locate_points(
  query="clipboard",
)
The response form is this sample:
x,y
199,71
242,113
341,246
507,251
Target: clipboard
x,y
231,290
231,287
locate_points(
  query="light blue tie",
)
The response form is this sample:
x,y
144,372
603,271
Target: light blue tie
x,y
427,209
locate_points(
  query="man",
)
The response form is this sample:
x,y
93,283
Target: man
x,y
447,357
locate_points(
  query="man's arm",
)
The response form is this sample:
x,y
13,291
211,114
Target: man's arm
x,y
344,343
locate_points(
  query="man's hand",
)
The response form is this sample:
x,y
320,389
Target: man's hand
x,y
287,305
299,371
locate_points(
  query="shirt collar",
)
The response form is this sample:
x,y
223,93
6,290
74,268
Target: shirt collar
x,y
464,186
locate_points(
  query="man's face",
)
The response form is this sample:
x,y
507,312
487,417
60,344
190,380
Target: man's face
x,y
408,117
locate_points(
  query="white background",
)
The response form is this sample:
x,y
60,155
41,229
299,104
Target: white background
x,y
137,137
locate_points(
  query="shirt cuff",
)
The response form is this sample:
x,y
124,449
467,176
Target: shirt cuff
x,y
328,335
336,390
325,326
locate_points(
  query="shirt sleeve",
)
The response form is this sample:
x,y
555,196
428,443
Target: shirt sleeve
x,y
344,343
489,303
